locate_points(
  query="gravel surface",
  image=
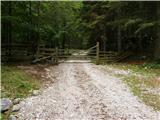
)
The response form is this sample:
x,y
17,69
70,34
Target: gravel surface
x,y
84,91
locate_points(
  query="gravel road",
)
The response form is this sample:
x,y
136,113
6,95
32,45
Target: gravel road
x,y
84,91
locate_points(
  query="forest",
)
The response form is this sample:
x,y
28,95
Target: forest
x,y
118,26
80,60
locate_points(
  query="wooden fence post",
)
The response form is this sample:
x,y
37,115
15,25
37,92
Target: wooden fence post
x,y
97,53
37,52
67,51
56,55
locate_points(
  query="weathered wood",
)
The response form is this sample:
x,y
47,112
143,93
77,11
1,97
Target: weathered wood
x,y
43,53
107,52
91,48
122,57
77,56
47,49
40,59
15,45
56,55
106,55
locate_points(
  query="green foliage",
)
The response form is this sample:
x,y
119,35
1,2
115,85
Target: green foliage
x,y
51,23
118,26
117,23
132,22
143,27
154,65
131,26
97,20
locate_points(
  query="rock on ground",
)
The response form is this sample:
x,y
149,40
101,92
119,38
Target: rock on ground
x,y
12,117
16,108
35,92
6,104
16,101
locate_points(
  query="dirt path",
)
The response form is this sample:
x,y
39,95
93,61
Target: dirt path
x,y
84,91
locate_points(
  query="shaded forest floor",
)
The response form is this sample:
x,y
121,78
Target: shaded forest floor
x,y
87,91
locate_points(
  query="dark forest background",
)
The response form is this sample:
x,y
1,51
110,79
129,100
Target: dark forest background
x,y
118,26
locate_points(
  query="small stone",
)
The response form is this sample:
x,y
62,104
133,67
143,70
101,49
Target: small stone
x,y
12,117
16,108
43,76
35,92
16,101
47,69
6,104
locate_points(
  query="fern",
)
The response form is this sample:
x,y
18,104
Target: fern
x,y
132,22
96,21
144,26
117,23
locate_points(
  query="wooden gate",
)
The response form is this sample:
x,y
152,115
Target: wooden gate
x,y
56,55
92,54
76,55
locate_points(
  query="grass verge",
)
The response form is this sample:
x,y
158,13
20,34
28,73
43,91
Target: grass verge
x,y
16,83
143,81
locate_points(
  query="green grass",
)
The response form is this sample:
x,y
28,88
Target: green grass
x,y
139,88
154,65
138,69
141,80
16,83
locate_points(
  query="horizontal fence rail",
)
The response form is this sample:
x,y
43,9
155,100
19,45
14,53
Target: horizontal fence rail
x,y
17,52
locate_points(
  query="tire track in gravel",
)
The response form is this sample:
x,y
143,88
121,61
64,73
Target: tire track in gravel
x,y
84,92
94,105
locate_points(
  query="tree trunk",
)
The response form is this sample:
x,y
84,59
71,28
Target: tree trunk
x,y
30,31
30,20
63,41
10,31
64,37
157,41
157,47
104,39
119,40
37,33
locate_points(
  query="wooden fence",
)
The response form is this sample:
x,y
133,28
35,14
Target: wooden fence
x,y
108,56
21,52
16,52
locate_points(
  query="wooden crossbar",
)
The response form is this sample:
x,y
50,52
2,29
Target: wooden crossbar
x,y
47,49
40,59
